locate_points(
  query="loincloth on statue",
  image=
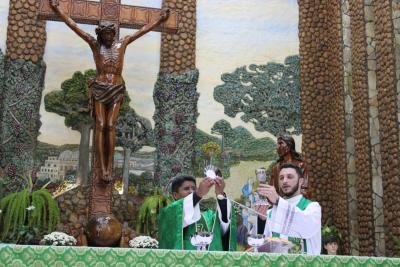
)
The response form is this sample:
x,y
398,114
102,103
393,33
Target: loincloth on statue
x,y
106,93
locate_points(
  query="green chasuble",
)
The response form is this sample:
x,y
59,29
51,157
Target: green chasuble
x,y
172,235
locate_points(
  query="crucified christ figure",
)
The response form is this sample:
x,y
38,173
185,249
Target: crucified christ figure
x,y
107,89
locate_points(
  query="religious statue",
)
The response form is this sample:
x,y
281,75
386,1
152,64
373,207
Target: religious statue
x,y
286,149
107,89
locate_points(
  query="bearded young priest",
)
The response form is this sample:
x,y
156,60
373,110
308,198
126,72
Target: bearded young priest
x,y
181,219
292,216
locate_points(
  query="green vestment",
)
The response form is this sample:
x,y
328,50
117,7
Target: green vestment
x,y
172,235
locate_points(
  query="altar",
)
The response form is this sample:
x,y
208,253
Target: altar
x,y
15,255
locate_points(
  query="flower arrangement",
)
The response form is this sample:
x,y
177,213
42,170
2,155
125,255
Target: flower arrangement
x,y
58,239
143,242
330,231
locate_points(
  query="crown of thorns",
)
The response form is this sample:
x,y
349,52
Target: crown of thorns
x,y
105,27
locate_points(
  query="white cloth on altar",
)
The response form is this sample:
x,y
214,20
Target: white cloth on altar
x,y
288,220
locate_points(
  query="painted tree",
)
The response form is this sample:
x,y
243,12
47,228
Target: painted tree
x,y
223,128
72,103
266,95
133,132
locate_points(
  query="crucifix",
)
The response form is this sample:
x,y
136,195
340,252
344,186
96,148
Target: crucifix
x,y
106,91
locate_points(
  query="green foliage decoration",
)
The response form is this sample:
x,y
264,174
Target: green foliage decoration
x,y
330,230
175,98
21,87
267,96
28,208
148,212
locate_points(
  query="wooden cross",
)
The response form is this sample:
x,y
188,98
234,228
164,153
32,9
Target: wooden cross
x,y
91,12
125,16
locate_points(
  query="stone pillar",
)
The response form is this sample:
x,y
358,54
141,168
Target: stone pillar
x,y
175,96
323,119
396,26
335,89
23,84
349,129
388,120
365,212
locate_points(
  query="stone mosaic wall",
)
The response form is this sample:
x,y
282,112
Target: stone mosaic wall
x,y
74,207
1,84
349,129
374,130
175,95
26,36
388,122
175,98
322,104
365,212
23,84
20,121
396,25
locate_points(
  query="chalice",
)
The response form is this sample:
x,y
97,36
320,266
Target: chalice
x,y
201,240
261,176
256,241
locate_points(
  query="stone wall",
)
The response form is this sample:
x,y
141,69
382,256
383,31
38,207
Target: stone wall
x,y
74,208
371,98
349,129
178,51
323,114
365,212
374,130
175,95
338,197
26,36
388,121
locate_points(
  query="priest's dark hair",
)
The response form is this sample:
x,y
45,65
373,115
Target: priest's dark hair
x,y
179,180
292,166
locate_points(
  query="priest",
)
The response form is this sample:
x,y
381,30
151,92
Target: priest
x,y
292,216
181,219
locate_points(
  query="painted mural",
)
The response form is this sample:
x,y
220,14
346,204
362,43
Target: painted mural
x,y
237,44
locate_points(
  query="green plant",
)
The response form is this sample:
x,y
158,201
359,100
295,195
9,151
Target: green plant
x,y
28,208
2,187
148,213
330,234
330,230
26,235
396,247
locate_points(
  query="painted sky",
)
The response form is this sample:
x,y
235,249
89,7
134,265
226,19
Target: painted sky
x,y
230,34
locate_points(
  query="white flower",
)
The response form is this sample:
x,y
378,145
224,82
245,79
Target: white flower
x,y
31,207
58,238
1,211
143,242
